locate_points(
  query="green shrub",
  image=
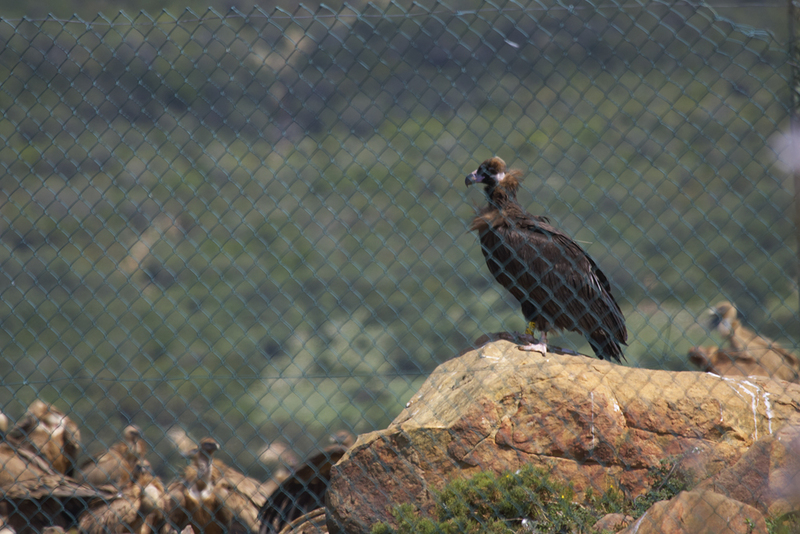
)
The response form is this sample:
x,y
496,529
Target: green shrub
x,y
786,524
491,503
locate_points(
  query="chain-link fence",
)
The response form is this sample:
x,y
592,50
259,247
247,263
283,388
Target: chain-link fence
x,y
254,226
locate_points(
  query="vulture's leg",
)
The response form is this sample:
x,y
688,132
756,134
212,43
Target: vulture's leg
x,y
535,345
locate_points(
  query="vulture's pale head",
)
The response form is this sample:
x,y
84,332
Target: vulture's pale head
x,y
723,317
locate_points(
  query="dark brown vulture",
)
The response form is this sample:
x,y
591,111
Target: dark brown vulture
x,y
557,284
48,432
117,465
304,490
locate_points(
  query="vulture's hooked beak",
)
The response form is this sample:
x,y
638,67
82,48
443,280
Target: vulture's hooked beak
x,y
716,319
713,318
472,178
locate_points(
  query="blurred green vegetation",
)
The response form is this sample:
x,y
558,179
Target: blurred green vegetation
x,y
254,226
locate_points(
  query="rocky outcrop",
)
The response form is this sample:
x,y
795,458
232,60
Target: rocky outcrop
x,y
767,476
699,512
612,522
589,422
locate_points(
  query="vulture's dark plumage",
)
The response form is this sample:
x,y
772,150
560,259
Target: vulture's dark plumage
x,y
304,490
555,281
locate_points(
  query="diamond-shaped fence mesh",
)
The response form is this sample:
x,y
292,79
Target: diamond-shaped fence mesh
x,y
254,226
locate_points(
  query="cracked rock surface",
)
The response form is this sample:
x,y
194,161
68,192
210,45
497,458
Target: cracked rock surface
x,y
587,421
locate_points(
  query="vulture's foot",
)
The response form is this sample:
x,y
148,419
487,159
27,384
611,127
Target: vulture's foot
x,y
529,343
534,347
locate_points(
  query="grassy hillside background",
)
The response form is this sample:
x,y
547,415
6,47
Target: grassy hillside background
x,y
254,226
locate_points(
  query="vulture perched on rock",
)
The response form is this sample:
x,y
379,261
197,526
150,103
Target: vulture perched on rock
x,y
725,320
723,361
745,349
556,283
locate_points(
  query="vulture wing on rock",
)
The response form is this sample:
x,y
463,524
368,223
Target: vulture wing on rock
x,y
556,283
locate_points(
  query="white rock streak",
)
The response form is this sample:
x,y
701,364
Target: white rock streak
x,y
591,395
755,393
768,409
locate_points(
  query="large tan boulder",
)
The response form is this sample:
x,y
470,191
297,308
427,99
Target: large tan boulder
x,y
767,476
699,512
590,422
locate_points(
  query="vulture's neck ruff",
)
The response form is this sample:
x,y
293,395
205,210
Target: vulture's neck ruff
x,y
501,188
204,465
502,192
202,488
